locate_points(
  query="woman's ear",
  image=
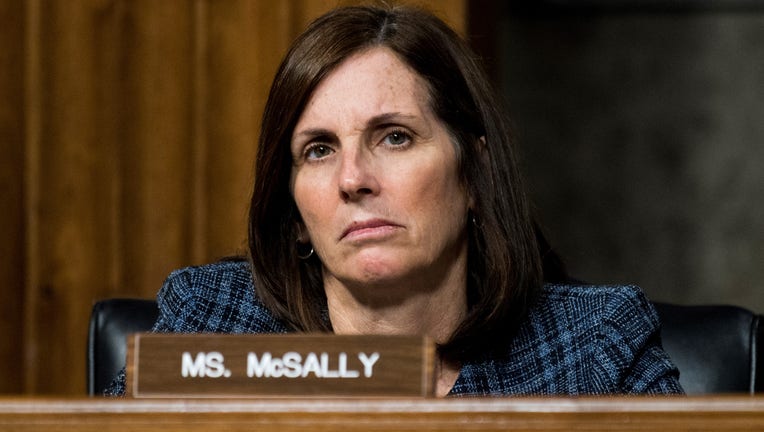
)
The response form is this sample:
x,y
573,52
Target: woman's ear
x,y
480,145
302,233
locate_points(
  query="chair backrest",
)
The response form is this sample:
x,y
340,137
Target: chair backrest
x,y
110,322
718,349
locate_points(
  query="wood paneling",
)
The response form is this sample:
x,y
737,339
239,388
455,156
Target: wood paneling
x,y
69,188
128,133
11,190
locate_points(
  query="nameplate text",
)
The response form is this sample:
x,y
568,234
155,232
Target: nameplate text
x,y
225,365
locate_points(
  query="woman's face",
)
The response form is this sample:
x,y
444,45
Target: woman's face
x,y
375,176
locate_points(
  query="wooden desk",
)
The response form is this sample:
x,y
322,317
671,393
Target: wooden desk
x,y
659,414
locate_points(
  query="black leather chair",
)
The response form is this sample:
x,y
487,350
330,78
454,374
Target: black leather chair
x,y
718,349
110,322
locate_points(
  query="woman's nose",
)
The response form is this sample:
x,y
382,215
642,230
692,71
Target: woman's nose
x,y
357,176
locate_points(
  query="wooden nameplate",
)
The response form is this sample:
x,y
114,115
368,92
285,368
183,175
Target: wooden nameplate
x,y
225,365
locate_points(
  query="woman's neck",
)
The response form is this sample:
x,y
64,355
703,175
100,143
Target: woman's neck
x,y
433,319
399,309
433,310
446,374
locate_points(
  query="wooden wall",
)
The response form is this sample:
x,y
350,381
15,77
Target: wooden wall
x,y
127,134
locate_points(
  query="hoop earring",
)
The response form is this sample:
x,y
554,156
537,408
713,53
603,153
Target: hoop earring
x,y
304,256
473,218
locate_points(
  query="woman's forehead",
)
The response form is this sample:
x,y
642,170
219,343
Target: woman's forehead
x,y
369,83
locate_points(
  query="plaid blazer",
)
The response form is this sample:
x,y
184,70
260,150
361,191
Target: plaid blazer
x,y
577,339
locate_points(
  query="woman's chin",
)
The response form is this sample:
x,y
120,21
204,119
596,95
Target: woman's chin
x,y
378,270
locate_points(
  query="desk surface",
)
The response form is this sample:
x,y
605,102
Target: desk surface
x,y
657,414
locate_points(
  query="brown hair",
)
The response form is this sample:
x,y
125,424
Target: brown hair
x,y
504,266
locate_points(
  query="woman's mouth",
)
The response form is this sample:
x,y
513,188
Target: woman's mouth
x,y
368,229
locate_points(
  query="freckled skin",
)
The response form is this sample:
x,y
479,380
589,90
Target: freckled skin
x,y
366,148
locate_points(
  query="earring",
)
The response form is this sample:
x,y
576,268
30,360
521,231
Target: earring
x,y
472,217
475,222
304,255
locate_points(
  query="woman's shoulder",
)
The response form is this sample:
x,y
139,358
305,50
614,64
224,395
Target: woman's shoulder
x,y
216,297
610,311
226,277
603,326
580,339
588,301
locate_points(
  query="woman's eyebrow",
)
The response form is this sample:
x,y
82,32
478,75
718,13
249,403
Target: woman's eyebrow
x,y
372,123
313,132
387,118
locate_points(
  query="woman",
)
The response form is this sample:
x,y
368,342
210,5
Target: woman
x,y
388,201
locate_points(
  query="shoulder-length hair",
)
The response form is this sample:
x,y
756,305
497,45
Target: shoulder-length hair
x,y
504,266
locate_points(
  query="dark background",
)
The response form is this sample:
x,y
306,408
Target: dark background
x,y
641,126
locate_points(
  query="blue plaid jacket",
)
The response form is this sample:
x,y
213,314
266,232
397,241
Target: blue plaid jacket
x,y
576,340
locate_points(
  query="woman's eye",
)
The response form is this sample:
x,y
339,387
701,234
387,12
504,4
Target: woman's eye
x,y
397,138
318,151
